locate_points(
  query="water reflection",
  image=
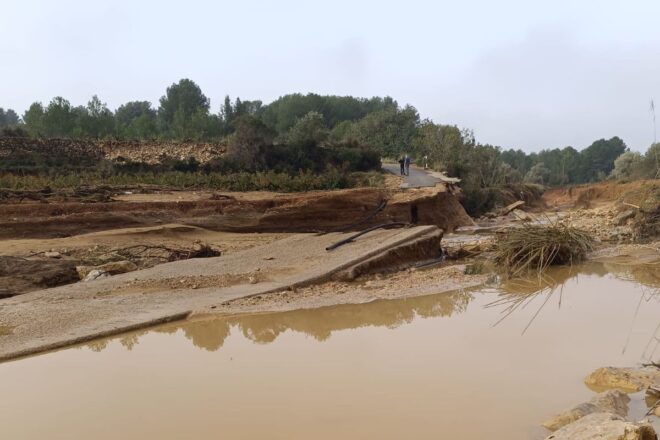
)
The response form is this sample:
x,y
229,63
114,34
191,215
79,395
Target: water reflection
x,y
210,334
518,293
514,295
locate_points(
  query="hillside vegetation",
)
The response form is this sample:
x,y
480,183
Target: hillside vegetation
x,y
313,133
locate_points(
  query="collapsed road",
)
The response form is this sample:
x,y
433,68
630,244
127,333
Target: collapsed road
x,y
61,316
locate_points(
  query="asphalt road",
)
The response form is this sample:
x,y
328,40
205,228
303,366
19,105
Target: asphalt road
x,y
418,178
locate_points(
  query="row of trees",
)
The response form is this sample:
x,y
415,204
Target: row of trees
x,y
309,121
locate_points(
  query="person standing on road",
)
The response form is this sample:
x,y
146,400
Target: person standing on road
x,y
402,163
407,164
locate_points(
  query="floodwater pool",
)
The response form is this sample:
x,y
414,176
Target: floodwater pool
x,y
451,365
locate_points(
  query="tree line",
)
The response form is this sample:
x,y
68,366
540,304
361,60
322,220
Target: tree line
x,y
312,124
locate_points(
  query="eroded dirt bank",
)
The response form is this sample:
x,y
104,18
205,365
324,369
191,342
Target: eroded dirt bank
x,y
262,212
46,238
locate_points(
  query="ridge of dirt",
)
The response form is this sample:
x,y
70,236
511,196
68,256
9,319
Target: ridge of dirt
x,y
307,212
591,193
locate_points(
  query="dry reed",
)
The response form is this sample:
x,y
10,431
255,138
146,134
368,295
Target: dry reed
x,y
532,248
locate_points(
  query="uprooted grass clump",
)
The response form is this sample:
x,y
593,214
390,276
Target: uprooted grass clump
x,y
532,248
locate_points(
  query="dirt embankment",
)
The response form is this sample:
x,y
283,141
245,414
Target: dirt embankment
x,y
44,241
150,152
611,211
592,194
265,212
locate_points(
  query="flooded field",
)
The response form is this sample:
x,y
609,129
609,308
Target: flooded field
x,y
491,363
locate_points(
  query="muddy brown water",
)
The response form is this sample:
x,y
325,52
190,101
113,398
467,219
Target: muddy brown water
x,y
428,367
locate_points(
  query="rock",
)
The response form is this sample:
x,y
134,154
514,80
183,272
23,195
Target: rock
x,y
604,426
522,215
612,401
622,218
625,379
95,274
507,209
618,232
657,411
252,280
52,254
117,267
83,271
112,268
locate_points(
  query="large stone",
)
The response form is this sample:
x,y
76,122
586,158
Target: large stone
x,y
95,274
612,401
604,426
521,215
117,267
622,218
507,209
625,379
112,268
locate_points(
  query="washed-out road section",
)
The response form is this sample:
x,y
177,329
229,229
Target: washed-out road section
x,y
57,317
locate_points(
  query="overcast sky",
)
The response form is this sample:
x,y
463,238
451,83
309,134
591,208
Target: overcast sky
x,y
521,74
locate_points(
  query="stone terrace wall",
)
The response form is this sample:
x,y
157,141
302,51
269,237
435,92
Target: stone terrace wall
x,y
151,152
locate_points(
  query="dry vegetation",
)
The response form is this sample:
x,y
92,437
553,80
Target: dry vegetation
x,y
532,248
